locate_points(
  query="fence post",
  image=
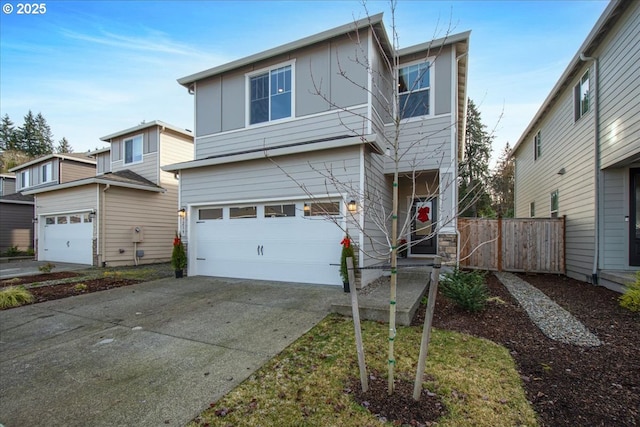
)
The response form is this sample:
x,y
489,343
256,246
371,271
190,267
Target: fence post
x,y
355,312
499,242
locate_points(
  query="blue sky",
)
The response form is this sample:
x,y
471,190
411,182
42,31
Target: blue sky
x,y
97,67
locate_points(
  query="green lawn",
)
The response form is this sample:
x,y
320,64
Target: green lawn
x,y
304,385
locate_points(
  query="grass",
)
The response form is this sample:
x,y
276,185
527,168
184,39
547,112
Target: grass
x,y
304,385
14,296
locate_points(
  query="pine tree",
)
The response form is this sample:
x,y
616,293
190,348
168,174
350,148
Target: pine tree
x,y
7,134
474,169
64,146
27,136
44,136
502,183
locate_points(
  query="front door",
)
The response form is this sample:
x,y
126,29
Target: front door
x,y
423,226
634,218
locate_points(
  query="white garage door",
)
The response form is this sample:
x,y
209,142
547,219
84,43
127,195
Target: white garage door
x,y
282,242
67,238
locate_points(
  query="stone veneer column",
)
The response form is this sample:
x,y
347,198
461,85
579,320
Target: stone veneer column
x,y
447,248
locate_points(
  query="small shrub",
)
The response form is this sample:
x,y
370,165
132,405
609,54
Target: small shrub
x,y
467,289
14,296
631,297
46,268
12,251
30,252
80,287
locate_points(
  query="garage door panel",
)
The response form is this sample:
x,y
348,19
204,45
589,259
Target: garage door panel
x,y
67,242
294,249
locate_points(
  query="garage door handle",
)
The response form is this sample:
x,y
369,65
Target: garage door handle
x,y
67,243
260,250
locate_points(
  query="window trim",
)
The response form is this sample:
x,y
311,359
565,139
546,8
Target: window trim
x,y
25,179
577,96
537,145
431,61
124,149
43,172
268,70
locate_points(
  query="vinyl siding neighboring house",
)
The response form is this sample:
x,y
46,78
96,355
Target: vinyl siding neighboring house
x,y
306,123
16,222
589,150
53,169
7,184
121,197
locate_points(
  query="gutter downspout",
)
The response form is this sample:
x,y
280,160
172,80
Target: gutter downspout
x,y
596,107
103,225
456,155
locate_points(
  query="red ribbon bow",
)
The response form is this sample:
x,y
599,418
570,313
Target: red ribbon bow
x,y
346,242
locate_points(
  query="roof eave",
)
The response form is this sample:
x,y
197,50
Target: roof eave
x,y
146,125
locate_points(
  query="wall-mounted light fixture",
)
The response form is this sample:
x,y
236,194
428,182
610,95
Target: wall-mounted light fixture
x,y
562,171
92,214
352,206
182,213
306,208
35,220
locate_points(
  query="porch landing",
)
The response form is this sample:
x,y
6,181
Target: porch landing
x,y
616,279
373,300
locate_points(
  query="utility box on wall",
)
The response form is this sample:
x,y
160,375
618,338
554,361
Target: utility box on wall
x,y
137,234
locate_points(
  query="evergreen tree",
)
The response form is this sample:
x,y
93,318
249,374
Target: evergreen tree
x,y
7,134
64,146
26,136
44,136
502,184
473,195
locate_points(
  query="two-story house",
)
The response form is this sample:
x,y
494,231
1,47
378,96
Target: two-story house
x,y
125,212
580,155
16,228
294,146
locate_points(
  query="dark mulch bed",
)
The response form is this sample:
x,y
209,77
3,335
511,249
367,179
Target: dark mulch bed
x,y
25,280
51,292
567,385
400,406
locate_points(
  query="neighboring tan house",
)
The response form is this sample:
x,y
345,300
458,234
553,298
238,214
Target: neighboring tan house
x,y
580,155
278,166
125,213
16,217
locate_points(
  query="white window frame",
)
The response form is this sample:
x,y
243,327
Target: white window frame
x,y
24,179
46,172
431,62
580,94
132,139
537,146
268,70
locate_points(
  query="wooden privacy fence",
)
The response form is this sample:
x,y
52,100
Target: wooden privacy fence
x,y
534,245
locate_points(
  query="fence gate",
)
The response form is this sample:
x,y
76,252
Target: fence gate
x,y
535,245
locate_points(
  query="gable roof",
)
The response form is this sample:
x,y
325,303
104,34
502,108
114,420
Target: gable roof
x,y
374,21
123,178
146,125
601,29
17,198
76,157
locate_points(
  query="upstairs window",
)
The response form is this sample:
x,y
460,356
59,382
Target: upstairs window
x,y
24,179
414,88
537,146
133,150
270,95
47,172
581,96
555,203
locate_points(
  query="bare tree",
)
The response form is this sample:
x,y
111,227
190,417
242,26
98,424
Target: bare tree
x,y
408,157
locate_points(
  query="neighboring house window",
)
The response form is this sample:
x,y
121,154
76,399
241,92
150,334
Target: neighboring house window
x,y
414,89
47,172
133,150
24,179
554,204
581,96
270,95
537,146
532,209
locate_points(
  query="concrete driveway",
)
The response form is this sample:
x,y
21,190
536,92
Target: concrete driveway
x,y
151,354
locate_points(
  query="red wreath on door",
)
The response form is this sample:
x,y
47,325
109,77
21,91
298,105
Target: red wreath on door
x,y
423,214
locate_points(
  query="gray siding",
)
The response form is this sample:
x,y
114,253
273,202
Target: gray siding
x,y
8,185
149,167
423,144
317,67
103,163
264,179
615,230
569,145
16,227
327,125
620,91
